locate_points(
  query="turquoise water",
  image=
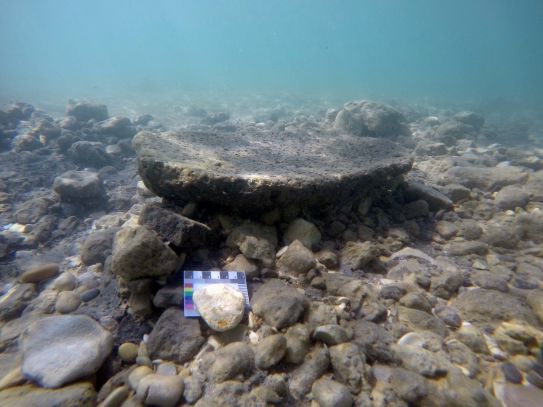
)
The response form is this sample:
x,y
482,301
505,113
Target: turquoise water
x,y
475,51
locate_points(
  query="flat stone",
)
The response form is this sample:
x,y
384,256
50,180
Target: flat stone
x,y
262,170
220,305
61,349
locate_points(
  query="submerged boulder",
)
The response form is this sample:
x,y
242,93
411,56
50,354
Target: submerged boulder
x,y
258,171
371,119
84,111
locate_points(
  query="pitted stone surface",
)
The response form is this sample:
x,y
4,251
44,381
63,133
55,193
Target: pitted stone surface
x,y
260,170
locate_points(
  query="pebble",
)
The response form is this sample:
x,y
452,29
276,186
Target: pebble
x,y
40,273
270,351
89,295
137,374
158,390
330,393
65,282
511,373
67,301
128,352
330,334
220,305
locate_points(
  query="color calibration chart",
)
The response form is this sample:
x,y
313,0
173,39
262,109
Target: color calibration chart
x,y
193,280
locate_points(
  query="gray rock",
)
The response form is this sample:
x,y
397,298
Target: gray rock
x,y
490,281
348,363
490,307
466,248
356,255
331,334
330,393
373,340
417,301
446,229
89,154
270,351
138,252
15,300
470,229
67,301
320,313
175,337
450,131
40,273
234,359
296,260
472,119
159,390
315,364
409,386
84,111
61,349
436,200
79,187
447,283
298,343
175,228
449,316
371,119
416,209
168,296
415,319
116,126
78,394
485,178
501,235
192,166
303,231
193,389
511,196
422,361
255,241
243,264
32,210
98,246
278,304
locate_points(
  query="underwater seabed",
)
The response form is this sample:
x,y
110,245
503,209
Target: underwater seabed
x,y
393,253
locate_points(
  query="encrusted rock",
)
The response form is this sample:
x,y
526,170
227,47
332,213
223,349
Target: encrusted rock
x,y
296,260
79,186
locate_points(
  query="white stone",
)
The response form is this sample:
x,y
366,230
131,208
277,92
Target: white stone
x,y
220,305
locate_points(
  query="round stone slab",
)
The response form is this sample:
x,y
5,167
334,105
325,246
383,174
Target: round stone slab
x,y
259,170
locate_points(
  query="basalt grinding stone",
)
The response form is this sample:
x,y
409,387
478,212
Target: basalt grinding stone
x,y
259,170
